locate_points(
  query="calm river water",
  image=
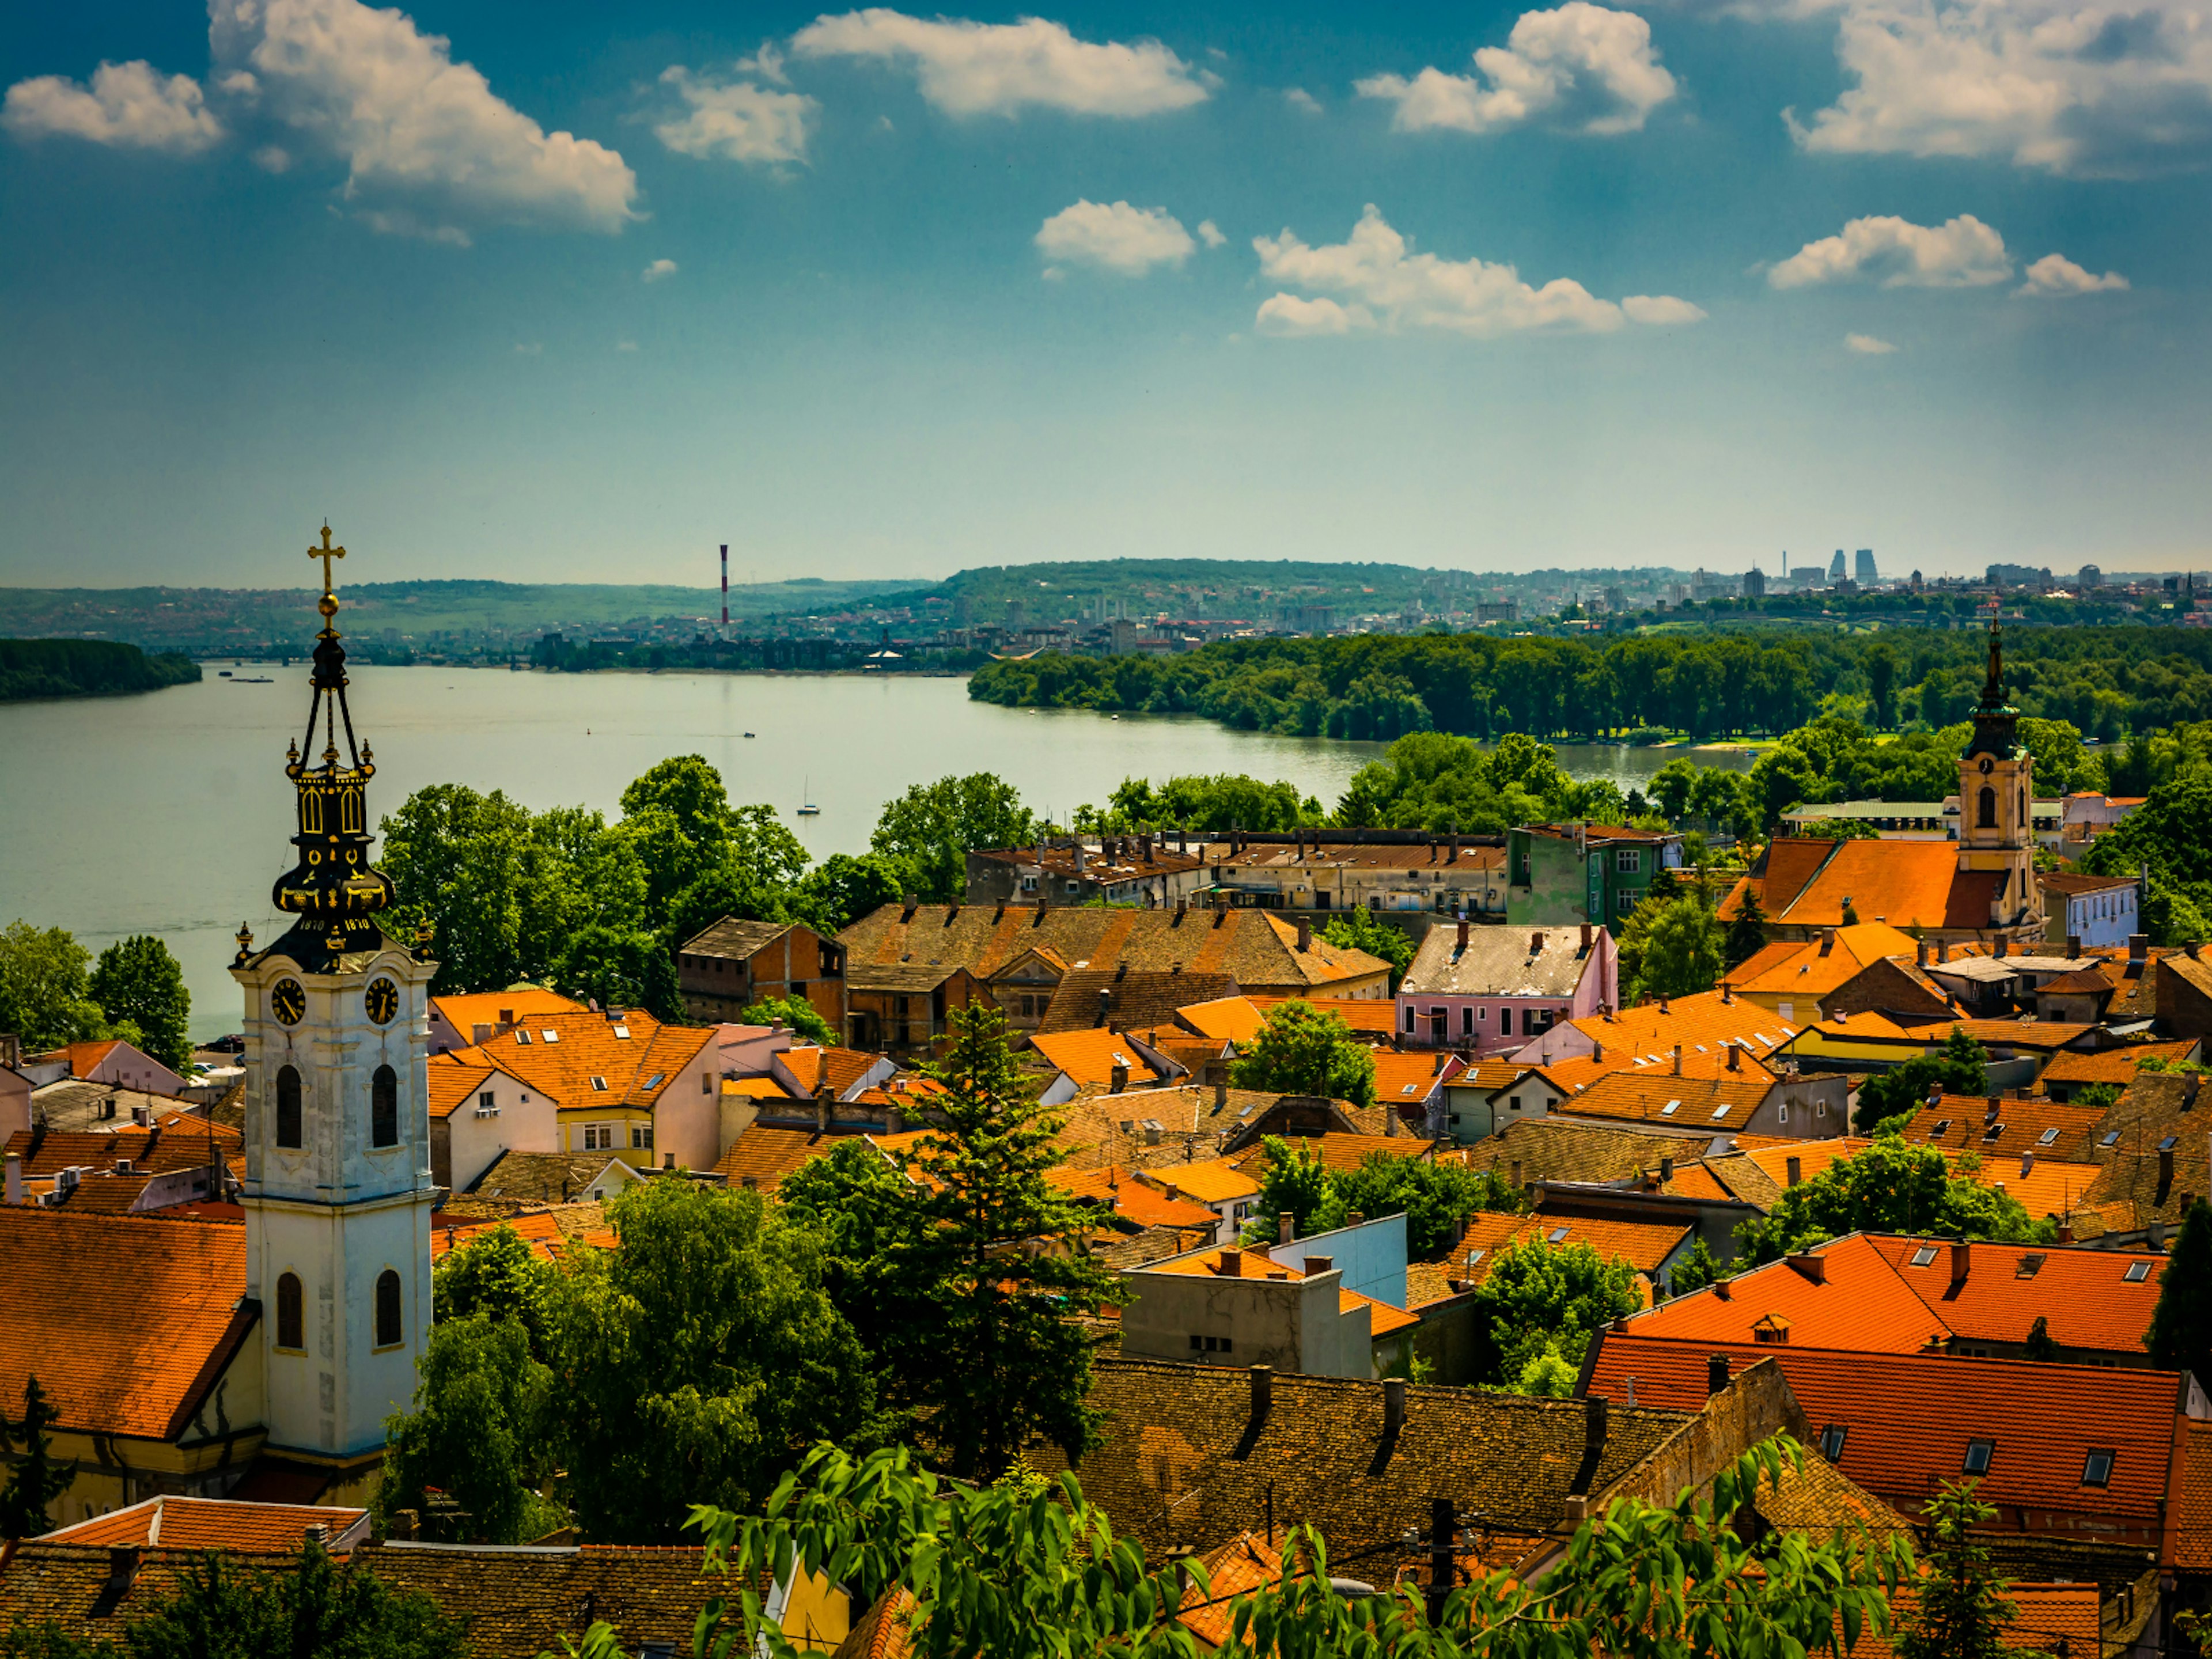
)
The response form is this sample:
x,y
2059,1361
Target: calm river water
x,y
169,813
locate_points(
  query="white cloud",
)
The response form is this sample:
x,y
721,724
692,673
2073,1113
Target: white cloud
x,y
2068,87
736,120
273,158
427,142
530,349
2055,276
1117,237
625,345
658,269
1582,66
1661,310
1961,252
1302,100
130,106
1380,284
1867,346
1210,233
967,68
1288,315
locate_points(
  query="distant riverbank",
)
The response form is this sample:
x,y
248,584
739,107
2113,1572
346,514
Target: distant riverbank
x,y
31,669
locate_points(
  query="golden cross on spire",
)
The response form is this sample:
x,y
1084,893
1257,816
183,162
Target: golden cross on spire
x,y
331,604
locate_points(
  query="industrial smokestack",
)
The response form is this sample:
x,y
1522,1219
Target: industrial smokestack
x,y
726,584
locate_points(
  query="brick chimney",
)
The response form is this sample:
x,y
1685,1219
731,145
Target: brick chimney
x,y
1461,947
1735,1056
1962,1261
1796,1168
1586,939
1536,944
1393,1405
2138,947
1828,941
1286,1228
1920,953
1231,1264
1117,1078
1317,1264
1305,936
1678,1060
1263,1395
1220,1097
2073,947
1666,1168
825,1100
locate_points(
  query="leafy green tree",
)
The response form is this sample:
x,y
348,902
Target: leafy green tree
x,y
620,968
1960,1610
1880,666
44,996
480,1432
1209,805
755,873
137,980
1027,1569
2180,1334
696,1358
1539,1300
1892,1187
797,1014
1002,1258
1297,1184
842,889
1671,785
1361,930
1434,1197
1746,934
38,1480
1670,948
1304,1050
2039,1343
319,1610
1960,1067
927,833
1695,1271
498,1275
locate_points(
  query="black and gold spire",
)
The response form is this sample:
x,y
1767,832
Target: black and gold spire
x,y
1996,730
334,890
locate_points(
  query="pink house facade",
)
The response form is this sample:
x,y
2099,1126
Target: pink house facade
x,y
1489,990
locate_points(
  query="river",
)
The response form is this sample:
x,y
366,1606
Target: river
x,y
169,812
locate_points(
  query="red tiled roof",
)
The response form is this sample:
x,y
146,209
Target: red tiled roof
x,y
211,1524
638,1067
126,1321
1815,968
1089,1056
1644,1245
2112,1065
1133,1200
1701,1024
1656,1096
1401,1079
1911,1415
1369,1017
2082,1295
2021,1126
1906,884
763,1153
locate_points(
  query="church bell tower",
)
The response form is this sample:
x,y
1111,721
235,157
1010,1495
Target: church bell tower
x,y
1996,794
337,1190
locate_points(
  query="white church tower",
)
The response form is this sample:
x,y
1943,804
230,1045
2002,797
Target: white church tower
x,y
336,1192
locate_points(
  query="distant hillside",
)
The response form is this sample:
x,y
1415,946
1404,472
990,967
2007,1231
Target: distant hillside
x,y
85,668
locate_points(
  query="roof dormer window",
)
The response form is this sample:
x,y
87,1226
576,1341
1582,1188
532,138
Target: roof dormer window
x,y
2137,1274
1557,1236
623,1031
2097,1469
1942,1126
2048,1138
1924,1257
600,1085
1832,1441
550,1035
1978,1453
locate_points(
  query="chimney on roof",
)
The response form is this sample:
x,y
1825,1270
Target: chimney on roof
x,y
1597,1052
2065,1232
1962,1261
2027,1164
480,1032
1117,1078
824,1101
2165,1172
1516,1175
1828,939
1105,1002
14,1193
1263,1395
142,1116
1305,936
1356,1219
1317,1264
1586,939
2155,1233
1920,953
1220,1097
2189,1089
1796,1168
2073,947
1812,1266
1231,1264
1663,1002
1286,1228
1991,1107
1716,1371
1596,1414
1454,859
894,1121
1461,947
1394,1406
2190,950
1678,1060
1536,944
2138,947
2004,947
1666,1168
1728,992
1736,1056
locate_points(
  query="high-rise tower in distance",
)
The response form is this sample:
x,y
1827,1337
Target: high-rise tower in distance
x,y
1867,578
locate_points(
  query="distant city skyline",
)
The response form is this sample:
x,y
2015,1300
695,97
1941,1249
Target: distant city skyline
x,y
566,294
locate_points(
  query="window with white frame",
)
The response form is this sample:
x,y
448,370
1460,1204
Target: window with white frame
x,y
1629,861
640,1137
599,1137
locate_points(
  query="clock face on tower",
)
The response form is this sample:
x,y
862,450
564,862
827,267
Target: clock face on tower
x,y
1988,766
289,1001
383,1001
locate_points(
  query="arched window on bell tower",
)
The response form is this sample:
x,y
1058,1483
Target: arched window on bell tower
x,y
384,1108
287,1107
291,1321
2023,810
1985,809
390,1328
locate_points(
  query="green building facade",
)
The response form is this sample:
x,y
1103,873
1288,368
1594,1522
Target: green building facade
x,y
1557,874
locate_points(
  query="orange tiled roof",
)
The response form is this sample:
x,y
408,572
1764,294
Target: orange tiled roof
x,y
126,1321
1402,1078
211,1524
1214,1180
762,1154
539,1229
1860,1303
1369,1017
1237,1019
843,1067
758,1087
456,1079
2084,1295
151,1152
2042,1035
2047,1127
81,1058
2194,1551
1814,969
1089,1056
1133,1200
465,1011
1909,1415
1717,1103
2112,1065
1907,883
637,1055
1644,1245
1701,1024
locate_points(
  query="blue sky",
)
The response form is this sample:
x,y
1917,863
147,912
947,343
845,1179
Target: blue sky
x,y
572,292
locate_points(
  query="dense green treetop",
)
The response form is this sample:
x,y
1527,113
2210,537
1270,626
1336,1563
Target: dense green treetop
x,y
1304,1050
137,980
1891,1187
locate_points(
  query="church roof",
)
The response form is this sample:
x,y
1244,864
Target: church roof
x,y
1905,883
127,1321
